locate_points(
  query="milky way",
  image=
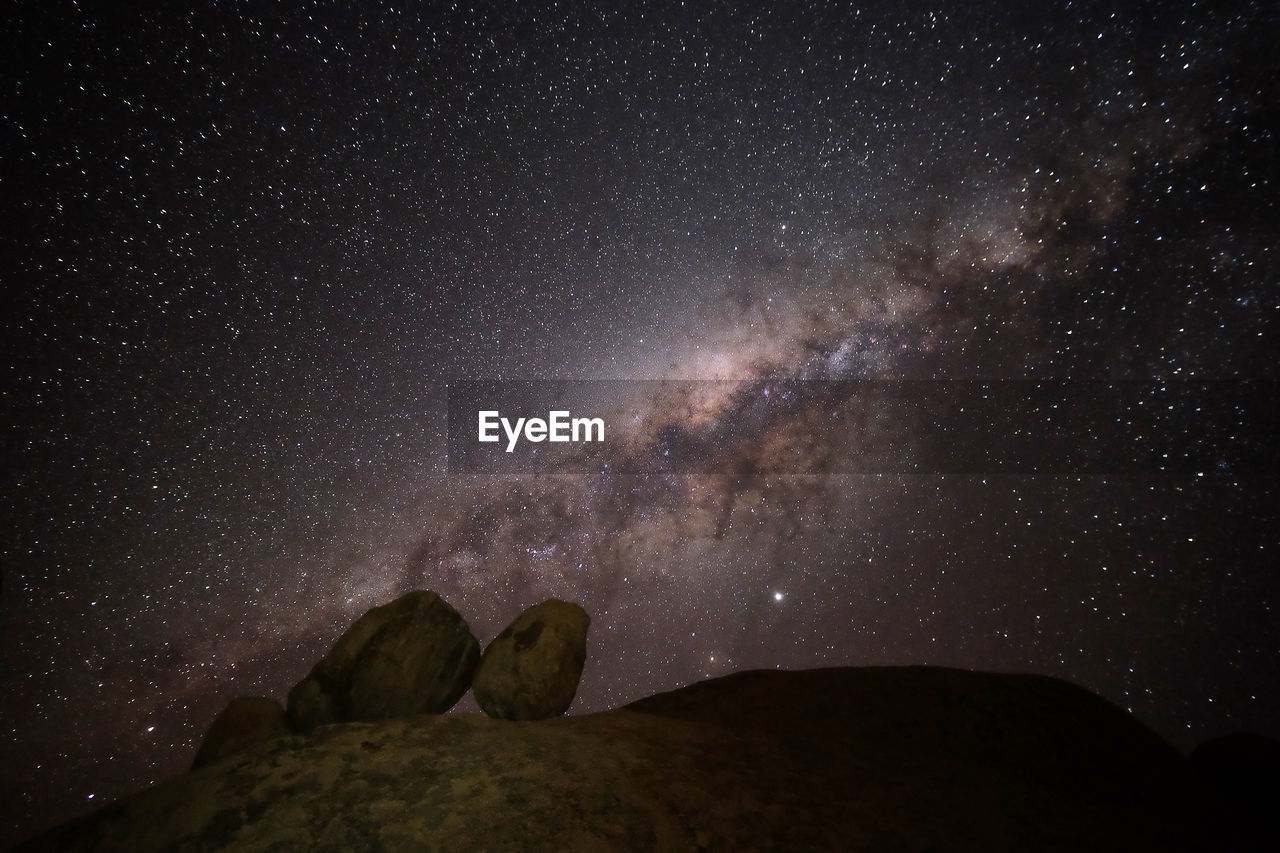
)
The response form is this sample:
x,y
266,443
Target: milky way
x,y
943,336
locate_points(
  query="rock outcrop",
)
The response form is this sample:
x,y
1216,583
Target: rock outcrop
x,y
415,655
1242,764
903,759
1245,768
247,720
531,670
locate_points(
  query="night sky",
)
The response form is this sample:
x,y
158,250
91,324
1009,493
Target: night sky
x,y
246,246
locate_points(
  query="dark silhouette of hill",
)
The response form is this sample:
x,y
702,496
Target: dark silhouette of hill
x,y
914,758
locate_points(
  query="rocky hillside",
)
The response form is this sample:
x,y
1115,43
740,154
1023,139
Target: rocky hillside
x,y
837,759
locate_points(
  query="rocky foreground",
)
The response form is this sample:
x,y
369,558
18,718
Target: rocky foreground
x,y
837,759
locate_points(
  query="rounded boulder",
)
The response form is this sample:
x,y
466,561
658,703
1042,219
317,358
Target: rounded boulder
x,y
531,670
415,655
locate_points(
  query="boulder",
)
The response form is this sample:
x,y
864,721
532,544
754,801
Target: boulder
x,y
245,721
531,670
415,655
309,706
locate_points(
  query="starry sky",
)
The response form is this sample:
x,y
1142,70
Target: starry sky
x,y
968,316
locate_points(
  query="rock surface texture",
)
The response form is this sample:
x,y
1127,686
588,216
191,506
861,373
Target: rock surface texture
x,y
902,759
531,670
245,721
415,655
